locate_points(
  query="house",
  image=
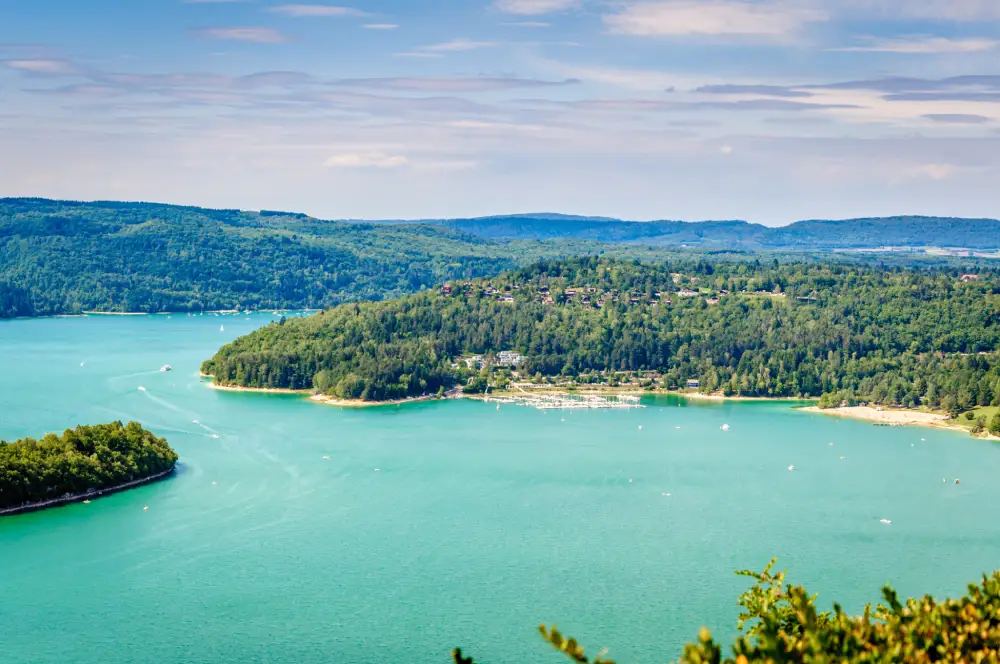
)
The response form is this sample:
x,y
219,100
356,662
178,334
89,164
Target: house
x,y
693,383
570,292
446,289
723,292
687,292
509,358
474,362
711,300
509,299
547,300
966,278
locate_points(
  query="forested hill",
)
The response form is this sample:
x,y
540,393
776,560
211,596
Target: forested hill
x,y
59,257
64,257
810,235
751,328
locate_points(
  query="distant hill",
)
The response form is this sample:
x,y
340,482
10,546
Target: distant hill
x,y
60,257
910,231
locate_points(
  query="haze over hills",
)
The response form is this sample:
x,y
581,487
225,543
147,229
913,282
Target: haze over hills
x,y
67,257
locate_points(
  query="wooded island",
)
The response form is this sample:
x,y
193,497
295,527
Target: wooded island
x,y
85,461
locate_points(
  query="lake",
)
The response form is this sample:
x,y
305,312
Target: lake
x,y
301,533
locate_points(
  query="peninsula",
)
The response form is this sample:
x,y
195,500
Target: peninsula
x,y
82,463
846,335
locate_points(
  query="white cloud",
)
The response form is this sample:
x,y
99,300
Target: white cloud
x,y
774,20
380,26
311,11
934,171
726,149
458,45
946,10
531,7
366,160
923,44
254,35
42,66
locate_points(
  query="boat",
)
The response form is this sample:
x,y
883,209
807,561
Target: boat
x,y
725,427
222,328
165,368
791,468
885,521
142,389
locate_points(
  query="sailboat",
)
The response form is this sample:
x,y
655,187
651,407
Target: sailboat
x,y
222,328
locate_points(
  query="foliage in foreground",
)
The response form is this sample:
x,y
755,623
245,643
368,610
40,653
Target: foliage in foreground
x,y
780,623
80,460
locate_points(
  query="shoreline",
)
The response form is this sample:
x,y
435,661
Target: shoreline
x,y
80,497
885,417
260,390
358,403
889,416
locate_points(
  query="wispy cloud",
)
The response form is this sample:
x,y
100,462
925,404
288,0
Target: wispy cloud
x,y
958,118
532,7
366,160
943,10
316,11
255,35
918,44
527,24
767,19
42,66
458,45
762,90
380,26
451,83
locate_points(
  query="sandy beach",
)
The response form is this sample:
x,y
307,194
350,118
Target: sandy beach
x,y
357,403
261,390
884,416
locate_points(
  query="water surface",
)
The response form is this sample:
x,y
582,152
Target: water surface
x,y
307,533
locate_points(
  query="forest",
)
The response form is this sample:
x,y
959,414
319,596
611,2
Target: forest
x,y
780,622
80,460
65,257
752,328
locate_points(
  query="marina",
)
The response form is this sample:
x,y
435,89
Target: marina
x,y
568,401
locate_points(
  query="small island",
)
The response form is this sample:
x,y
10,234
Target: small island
x,y
82,463
848,335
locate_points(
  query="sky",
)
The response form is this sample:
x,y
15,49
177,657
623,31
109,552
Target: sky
x,y
764,110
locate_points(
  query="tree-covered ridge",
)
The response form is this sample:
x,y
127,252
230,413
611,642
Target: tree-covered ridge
x,y
780,622
80,460
64,257
909,231
751,328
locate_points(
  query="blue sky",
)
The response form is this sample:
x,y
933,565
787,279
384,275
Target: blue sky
x,y
766,110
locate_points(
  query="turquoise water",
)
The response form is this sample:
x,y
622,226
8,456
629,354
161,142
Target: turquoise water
x,y
476,526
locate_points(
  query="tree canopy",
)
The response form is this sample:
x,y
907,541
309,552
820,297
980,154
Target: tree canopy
x,y
781,623
890,336
78,461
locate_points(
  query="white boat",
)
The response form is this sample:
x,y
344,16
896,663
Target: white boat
x,y
222,328
165,368
885,521
725,427
142,389
791,468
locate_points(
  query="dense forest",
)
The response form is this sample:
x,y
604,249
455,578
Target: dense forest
x,y
780,622
60,257
80,460
900,337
